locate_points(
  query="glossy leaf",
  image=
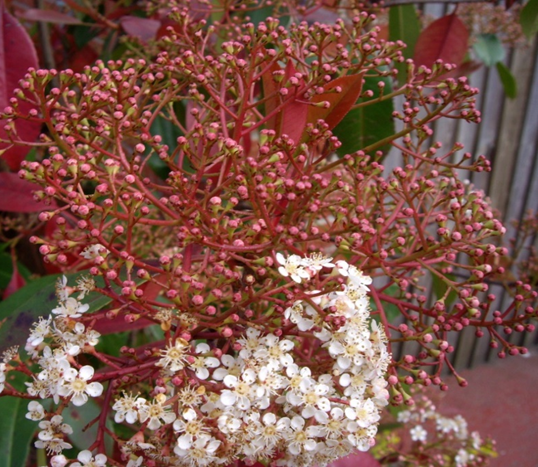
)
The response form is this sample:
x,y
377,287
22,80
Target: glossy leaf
x,y
445,39
17,54
17,195
143,28
16,430
489,49
405,26
528,18
366,125
48,16
507,79
340,103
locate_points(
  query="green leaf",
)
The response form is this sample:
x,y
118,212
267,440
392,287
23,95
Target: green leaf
x,y
79,417
390,309
404,26
440,288
528,18
16,430
369,124
489,49
508,80
20,310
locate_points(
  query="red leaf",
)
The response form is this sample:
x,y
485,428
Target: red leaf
x,y
118,324
295,113
16,195
163,28
82,57
16,282
48,16
446,38
17,54
340,103
143,28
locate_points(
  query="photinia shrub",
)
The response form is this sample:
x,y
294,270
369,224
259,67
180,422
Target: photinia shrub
x,y
230,290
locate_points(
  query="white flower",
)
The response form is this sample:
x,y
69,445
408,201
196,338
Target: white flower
x,y
135,462
418,434
241,390
201,364
363,412
311,397
462,458
51,436
2,376
155,412
76,385
88,460
318,261
271,430
94,251
40,330
71,308
190,426
296,314
300,440
174,356
127,408
232,367
292,266
58,461
201,453
357,278
35,411
274,352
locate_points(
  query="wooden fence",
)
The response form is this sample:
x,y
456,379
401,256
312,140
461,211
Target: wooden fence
x,y
508,137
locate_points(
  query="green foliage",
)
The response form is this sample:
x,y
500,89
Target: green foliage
x,y
16,430
529,18
405,26
440,288
368,124
507,79
79,418
489,49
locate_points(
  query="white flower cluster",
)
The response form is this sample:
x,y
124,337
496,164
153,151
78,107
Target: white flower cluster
x,y
270,401
53,342
423,416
